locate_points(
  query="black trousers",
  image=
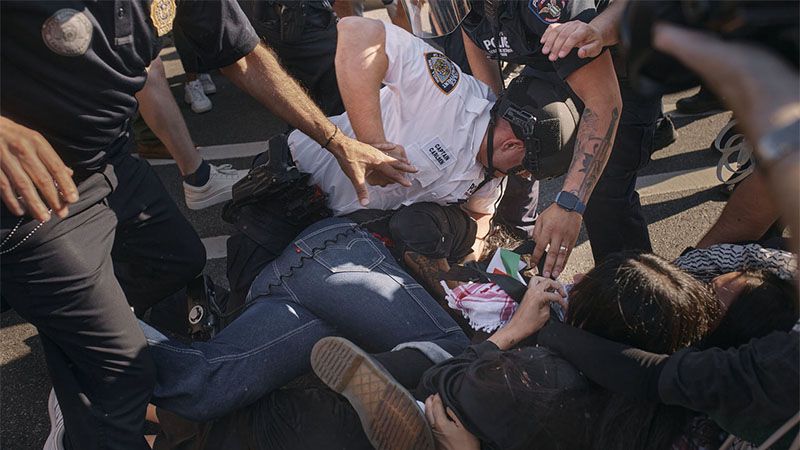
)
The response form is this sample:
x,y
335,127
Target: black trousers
x,y
123,241
613,217
309,57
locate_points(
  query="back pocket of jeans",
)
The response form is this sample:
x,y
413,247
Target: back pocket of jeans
x,y
354,255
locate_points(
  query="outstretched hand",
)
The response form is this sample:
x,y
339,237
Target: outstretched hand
x,y
33,178
358,160
560,38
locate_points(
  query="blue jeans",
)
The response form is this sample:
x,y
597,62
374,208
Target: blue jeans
x,y
351,288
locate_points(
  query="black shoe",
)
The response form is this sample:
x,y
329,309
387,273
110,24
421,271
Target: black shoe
x,y
665,133
202,311
701,102
389,414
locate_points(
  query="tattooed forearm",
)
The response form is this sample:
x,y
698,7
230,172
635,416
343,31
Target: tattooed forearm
x,y
592,150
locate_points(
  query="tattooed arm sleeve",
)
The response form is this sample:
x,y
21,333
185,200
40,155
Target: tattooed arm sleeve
x,y
596,85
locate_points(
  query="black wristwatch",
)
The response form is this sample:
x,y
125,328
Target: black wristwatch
x,y
570,202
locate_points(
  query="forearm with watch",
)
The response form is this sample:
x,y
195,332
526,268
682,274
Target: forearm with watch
x,y
558,226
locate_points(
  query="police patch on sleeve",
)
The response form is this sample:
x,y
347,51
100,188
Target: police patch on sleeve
x,y
444,72
438,154
162,13
67,32
548,11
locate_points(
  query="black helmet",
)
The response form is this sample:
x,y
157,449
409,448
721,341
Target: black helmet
x,y
543,115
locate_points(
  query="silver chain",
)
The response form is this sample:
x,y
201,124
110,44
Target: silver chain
x,y
14,230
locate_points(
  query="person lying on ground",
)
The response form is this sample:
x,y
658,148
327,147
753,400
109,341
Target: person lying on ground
x,y
749,274
335,279
531,398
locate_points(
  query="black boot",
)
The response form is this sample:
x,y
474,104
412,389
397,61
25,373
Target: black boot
x,y
665,133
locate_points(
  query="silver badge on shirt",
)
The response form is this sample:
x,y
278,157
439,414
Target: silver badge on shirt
x,y
68,32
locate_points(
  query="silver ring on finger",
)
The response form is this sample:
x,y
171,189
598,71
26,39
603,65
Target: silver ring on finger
x,y
562,249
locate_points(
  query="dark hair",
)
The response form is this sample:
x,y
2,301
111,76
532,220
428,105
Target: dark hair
x,y
642,300
766,304
637,299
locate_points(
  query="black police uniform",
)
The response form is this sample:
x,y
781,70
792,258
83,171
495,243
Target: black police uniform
x,y
69,70
613,216
303,35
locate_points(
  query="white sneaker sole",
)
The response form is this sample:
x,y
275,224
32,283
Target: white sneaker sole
x,y
389,415
205,202
200,110
55,440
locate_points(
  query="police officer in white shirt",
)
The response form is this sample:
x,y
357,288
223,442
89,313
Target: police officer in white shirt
x,y
429,112
445,121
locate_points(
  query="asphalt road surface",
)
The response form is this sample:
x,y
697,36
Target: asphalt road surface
x,y
680,193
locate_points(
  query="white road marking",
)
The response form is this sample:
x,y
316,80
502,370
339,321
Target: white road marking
x,y
226,151
215,246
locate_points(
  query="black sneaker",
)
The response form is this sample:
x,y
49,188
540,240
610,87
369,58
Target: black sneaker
x,y
702,102
665,133
390,416
202,312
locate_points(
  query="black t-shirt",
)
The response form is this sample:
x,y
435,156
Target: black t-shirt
x,y
70,69
522,24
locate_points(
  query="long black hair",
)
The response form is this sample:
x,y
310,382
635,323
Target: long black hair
x,y
637,299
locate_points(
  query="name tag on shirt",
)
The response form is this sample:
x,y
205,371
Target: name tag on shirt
x,y
438,154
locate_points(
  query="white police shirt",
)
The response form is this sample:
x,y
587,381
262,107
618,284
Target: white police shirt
x,y
437,113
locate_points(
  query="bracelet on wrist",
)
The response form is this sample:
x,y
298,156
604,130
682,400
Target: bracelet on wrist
x,y
330,139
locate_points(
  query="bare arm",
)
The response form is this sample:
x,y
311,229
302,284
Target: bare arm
x,y
361,65
260,74
760,88
596,85
747,215
483,68
159,110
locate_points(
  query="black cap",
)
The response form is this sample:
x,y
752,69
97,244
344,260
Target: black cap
x,y
543,115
